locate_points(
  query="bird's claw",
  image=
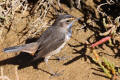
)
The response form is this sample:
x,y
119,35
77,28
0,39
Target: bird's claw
x,y
61,58
56,74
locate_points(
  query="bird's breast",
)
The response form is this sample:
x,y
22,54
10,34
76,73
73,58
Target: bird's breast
x,y
68,35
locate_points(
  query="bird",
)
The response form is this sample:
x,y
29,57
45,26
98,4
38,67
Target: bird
x,y
51,41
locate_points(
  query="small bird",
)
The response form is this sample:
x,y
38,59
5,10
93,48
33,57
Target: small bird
x,y
51,41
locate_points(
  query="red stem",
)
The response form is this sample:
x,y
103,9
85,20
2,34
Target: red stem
x,y
100,41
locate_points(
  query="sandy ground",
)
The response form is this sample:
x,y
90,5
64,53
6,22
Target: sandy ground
x,y
75,67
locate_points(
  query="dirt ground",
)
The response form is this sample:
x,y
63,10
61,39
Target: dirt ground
x,y
79,64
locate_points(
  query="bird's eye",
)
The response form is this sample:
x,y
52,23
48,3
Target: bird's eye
x,y
68,21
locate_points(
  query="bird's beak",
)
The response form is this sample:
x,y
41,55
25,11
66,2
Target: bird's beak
x,y
74,20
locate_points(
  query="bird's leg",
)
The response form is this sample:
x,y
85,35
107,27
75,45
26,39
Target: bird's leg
x,y
50,69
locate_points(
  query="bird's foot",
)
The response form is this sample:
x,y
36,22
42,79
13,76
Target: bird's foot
x,y
61,58
56,74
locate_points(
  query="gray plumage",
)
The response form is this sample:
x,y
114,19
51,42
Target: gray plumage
x,y
50,42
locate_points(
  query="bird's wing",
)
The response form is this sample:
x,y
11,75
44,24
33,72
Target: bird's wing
x,y
53,41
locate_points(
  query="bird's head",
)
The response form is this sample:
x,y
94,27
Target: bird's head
x,y
64,21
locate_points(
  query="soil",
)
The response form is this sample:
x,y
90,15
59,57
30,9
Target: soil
x,y
78,64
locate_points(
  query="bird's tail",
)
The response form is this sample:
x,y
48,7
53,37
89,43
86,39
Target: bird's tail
x,y
29,48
